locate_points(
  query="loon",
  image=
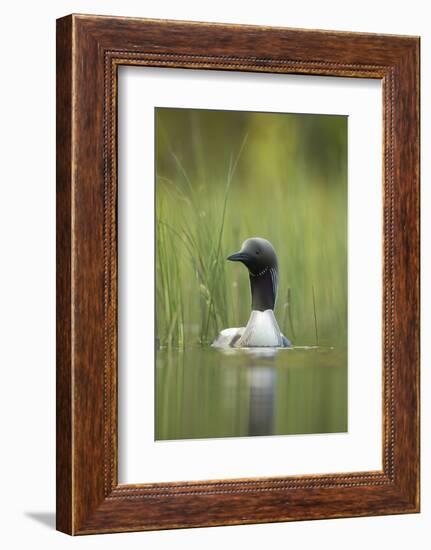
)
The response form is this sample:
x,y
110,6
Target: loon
x,y
262,330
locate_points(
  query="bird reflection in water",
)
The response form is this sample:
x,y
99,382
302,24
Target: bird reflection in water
x,y
262,381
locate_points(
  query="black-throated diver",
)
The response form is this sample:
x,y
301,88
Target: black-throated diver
x,y
262,330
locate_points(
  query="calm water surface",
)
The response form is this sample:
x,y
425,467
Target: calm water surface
x,y
204,392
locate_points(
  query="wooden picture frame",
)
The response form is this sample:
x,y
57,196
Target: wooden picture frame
x,y
89,52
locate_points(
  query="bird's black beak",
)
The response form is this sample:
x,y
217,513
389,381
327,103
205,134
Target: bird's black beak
x,y
239,257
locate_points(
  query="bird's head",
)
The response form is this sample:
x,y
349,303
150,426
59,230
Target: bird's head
x,y
257,254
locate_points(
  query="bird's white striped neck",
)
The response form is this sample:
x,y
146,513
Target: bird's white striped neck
x,y
264,270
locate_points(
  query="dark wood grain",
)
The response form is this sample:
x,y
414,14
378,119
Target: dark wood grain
x,y
64,497
90,49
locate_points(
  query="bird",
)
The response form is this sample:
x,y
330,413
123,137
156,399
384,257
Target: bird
x,y
259,257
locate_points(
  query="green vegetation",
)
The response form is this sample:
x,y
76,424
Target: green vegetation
x,y
222,177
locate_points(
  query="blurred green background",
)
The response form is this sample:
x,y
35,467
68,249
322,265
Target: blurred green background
x,y
225,176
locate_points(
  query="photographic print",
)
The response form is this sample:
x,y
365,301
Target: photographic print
x,y
251,273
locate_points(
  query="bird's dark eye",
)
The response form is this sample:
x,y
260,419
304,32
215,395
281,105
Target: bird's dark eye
x,y
257,251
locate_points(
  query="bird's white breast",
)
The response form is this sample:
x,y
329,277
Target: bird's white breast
x,y
262,330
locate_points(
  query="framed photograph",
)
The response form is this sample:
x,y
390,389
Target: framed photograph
x,y
237,274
